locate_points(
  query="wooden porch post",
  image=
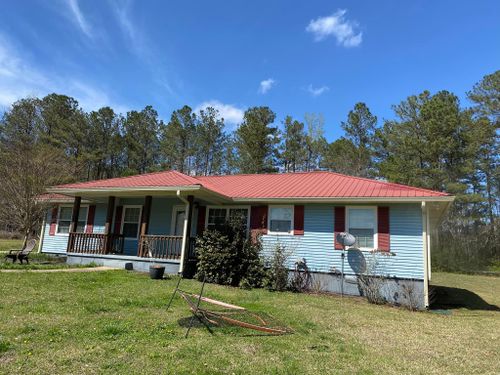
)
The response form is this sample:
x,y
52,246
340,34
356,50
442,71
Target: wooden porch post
x,y
107,225
144,222
189,218
74,216
74,222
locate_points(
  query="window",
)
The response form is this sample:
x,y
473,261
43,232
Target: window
x,y
239,214
361,224
218,216
131,219
280,219
64,219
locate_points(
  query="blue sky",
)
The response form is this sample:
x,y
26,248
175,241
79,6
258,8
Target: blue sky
x,y
296,57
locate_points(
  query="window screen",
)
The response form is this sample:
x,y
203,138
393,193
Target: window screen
x,y
64,221
281,219
362,226
216,218
131,218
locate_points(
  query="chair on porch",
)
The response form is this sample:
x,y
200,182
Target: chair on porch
x,y
22,254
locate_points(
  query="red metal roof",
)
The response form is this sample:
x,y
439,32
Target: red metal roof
x,y
316,184
156,179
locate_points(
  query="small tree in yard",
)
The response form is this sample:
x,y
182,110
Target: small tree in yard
x,y
277,273
226,256
27,167
24,177
371,281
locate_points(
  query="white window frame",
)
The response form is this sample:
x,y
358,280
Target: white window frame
x,y
176,209
291,233
59,215
138,223
227,208
375,229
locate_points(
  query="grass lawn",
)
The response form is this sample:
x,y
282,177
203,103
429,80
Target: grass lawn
x,y
37,261
115,322
6,245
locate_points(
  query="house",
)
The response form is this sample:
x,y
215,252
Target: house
x,y
158,215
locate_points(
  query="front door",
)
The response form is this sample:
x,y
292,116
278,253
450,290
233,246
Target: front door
x,y
178,224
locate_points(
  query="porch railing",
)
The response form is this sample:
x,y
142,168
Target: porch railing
x,y
160,246
156,246
95,243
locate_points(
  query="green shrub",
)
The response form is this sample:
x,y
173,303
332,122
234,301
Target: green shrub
x,y
226,256
277,272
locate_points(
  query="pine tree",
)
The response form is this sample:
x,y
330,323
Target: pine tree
x,y
360,128
256,141
142,144
209,143
293,154
106,151
178,140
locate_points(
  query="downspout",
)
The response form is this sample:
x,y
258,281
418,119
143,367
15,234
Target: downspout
x,y
42,235
184,231
425,253
429,268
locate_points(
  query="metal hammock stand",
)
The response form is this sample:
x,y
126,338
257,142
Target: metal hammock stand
x,y
228,315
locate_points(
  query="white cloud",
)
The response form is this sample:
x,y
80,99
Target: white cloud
x,y
78,17
318,90
230,113
19,79
266,85
142,47
338,26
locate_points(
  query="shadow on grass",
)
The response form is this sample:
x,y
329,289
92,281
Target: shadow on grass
x,y
445,297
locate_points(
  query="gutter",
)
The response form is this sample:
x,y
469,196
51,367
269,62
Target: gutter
x,y
76,191
444,198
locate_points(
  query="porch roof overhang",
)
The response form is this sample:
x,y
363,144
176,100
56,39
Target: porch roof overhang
x,y
100,194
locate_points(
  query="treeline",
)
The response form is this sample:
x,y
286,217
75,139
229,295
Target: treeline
x,y
432,142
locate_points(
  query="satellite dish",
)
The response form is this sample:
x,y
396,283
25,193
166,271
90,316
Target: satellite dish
x,y
346,239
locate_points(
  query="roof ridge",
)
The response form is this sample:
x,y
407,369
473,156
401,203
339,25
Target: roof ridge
x,y
263,174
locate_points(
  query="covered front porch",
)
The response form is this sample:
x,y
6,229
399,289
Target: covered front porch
x,y
129,226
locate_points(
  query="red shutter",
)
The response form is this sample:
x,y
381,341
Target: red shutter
x,y
90,219
118,219
200,223
384,241
53,221
258,220
339,224
298,220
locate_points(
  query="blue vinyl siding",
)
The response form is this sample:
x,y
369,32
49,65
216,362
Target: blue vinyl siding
x,y
316,246
53,244
59,242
